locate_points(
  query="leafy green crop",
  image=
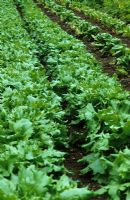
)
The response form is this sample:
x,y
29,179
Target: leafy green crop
x,y
105,42
33,122
31,167
108,15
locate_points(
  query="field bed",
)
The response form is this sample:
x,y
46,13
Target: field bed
x,y
124,39
115,25
65,124
113,63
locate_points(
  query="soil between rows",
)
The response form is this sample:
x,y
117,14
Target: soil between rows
x,y
74,154
106,62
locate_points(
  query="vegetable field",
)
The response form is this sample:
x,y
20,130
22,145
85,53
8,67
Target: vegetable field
x,y
65,100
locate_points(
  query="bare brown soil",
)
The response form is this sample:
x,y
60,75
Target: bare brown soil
x,y
72,164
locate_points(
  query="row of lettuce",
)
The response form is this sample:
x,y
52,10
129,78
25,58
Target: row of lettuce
x,y
31,120
117,26
104,42
90,97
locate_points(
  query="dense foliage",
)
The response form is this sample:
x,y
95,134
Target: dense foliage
x,y
117,8
31,167
106,43
34,122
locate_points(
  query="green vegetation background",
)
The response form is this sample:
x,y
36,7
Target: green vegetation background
x,y
117,8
